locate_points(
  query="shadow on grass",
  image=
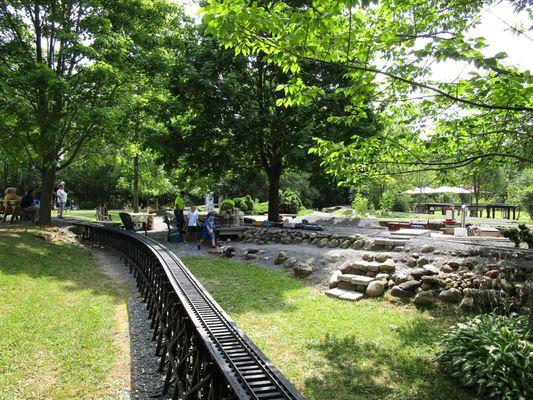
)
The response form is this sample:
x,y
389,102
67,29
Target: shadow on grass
x,y
22,253
367,370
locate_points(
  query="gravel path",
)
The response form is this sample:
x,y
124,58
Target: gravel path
x,y
145,380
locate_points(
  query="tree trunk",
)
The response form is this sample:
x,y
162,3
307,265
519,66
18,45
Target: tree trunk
x,y
136,183
45,209
274,177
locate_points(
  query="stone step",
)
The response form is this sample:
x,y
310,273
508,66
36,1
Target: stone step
x,y
361,280
390,242
341,294
372,266
346,277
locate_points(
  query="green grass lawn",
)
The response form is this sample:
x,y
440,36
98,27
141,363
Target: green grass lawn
x,y
58,321
332,350
90,215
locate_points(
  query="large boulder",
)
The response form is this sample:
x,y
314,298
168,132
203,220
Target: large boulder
x,y
452,295
410,286
345,244
418,273
334,279
397,291
301,270
427,249
358,244
333,243
289,262
281,257
323,242
401,278
286,240
424,298
375,289
388,265
467,304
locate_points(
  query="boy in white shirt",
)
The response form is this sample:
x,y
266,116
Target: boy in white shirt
x,y
192,223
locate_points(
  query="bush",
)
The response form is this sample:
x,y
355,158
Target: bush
x,y
289,202
517,236
238,203
227,206
492,354
260,208
249,203
360,204
394,201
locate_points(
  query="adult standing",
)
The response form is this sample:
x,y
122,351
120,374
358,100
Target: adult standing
x,y
61,199
179,206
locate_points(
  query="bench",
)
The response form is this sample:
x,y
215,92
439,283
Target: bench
x,y
128,224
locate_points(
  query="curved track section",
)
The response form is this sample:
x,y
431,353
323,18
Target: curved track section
x,y
203,353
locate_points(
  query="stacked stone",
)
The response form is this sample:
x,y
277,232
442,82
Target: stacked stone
x,y
466,282
361,278
320,239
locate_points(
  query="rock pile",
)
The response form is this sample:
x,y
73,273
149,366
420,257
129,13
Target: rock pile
x,y
321,239
458,283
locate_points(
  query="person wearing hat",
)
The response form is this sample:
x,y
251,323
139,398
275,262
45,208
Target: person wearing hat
x,y
208,232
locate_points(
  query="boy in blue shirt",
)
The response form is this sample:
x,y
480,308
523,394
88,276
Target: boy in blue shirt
x,y
208,232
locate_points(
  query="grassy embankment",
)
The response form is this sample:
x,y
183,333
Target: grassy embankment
x,y
60,318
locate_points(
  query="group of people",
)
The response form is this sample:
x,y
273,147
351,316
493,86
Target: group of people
x,y
29,205
200,234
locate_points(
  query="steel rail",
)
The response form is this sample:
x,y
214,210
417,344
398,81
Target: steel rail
x,y
204,353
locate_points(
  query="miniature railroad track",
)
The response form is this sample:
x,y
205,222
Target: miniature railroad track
x,y
204,355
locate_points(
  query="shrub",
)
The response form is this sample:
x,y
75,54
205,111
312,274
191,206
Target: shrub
x,y
260,208
394,201
360,204
517,236
238,203
249,203
289,202
492,354
227,206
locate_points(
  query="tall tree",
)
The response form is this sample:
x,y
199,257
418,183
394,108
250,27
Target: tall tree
x,y
386,50
63,65
230,118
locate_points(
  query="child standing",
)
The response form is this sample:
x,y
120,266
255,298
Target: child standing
x,y
209,230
